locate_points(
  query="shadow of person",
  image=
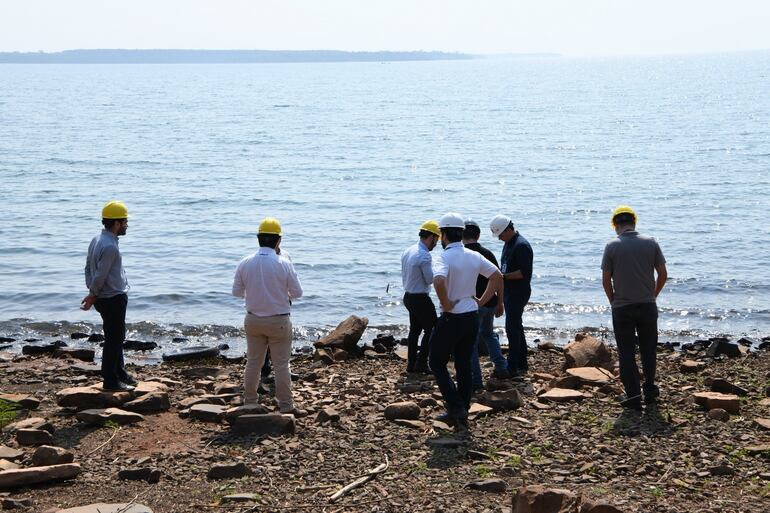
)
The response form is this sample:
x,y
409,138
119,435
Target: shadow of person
x,y
628,423
654,423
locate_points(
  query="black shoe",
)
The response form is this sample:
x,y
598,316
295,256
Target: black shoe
x,y
129,380
410,367
117,387
462,429
500,374
268,379
634,403
652,397
423,369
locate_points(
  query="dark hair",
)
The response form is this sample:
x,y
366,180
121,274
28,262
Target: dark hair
x,y
109,223
471,231
268,240
453,234
425,233
624,219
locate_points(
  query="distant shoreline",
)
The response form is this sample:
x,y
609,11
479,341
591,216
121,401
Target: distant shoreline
x,y
111,56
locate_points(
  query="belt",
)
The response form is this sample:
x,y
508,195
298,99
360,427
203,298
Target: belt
x,y
276,315
416,293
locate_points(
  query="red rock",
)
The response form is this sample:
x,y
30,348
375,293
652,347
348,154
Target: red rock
x,y
561,395
711,400
346,335
588,352
539,499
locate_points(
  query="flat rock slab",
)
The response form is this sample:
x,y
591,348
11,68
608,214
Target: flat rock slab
x,y
208,412
108,508
562,395
85,355
233,471
37,475
479,409
691,366
446,442
33,437
8,465
149,387
725,387
25,401
488,485
191,353
247,409
8,453
270,424
239,497
539,499
711,400
85,398
150,402
46,455
140,474
414,424
502,400
404,410
592,375
763,424
116,415
30,423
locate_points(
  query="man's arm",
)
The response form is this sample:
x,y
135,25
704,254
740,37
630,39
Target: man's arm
x,y
494,286
515,275
239,288
426,269
295,289
662,277
607,284
439,283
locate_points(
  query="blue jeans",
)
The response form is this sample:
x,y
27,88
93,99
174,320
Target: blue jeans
x,y
514,329
487,333
454,335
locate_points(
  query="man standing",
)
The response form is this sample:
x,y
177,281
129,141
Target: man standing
x,y
628,276
417,277
268,283
487,333
108,287
516,266
457,329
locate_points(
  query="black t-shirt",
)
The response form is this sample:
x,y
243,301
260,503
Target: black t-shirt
x,y
517,256
481,282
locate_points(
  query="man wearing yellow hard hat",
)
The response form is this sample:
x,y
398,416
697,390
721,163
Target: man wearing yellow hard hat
x,y
107,291
629,265
268,283
417,277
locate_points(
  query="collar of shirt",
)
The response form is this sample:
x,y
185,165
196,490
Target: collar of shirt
x,y
266,251
453,245
628,232
422,246
114,237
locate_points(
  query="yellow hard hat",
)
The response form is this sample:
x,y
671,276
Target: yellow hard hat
x,y
623,209
431,226
270,225
115,210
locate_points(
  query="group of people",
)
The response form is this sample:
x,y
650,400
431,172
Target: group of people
x,y
471,287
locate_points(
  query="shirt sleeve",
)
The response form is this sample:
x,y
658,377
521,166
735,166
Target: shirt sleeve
x,y
522,260
440,268
486,268
659,258
87,272
103,266
295,289
426,269
607,260
239,288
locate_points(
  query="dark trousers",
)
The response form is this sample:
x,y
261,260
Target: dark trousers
x,y
514,330
634,324
455,334
113,312
422,318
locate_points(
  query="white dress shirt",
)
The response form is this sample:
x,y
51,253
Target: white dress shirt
x,y
416,272
268,282
461,267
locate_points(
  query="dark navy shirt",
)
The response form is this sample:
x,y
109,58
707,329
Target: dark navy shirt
x,y
481,281
517,256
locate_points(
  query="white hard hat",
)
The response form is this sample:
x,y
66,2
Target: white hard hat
x,y
451,220
499,223
471,222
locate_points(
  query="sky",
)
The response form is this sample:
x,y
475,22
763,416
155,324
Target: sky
x,y
568,27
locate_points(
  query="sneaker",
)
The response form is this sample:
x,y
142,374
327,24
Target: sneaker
x,y
118,387
462,428
633,403
652,397
129,380
297,412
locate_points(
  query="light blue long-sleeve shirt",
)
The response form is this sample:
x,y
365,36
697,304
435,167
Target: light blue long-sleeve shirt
x,y
105,276
416,269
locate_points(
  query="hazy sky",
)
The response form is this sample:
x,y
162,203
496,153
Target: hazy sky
x,y
571,27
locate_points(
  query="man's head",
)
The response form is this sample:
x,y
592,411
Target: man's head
x,y
115,217
430,234
452,227
472,232
623,219
502,227
269,233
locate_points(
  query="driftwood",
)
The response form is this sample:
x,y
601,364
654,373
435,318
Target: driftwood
x,y
360,481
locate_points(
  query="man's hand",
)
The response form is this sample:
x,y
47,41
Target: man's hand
x,y
88,302
499,309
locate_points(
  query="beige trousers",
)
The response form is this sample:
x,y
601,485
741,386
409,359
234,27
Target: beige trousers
x,y
262,333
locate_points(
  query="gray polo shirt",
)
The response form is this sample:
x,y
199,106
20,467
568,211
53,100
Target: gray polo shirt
x,y
105,276
631,260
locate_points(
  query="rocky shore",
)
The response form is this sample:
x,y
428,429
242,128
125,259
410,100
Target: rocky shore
x,y
554,441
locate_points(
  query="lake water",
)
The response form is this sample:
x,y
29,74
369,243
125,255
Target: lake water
x,y
353,157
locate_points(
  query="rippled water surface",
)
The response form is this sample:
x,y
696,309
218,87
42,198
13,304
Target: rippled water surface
x,y
353,157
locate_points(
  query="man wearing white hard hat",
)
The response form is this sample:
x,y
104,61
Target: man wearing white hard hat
x,y
454,278
516,267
